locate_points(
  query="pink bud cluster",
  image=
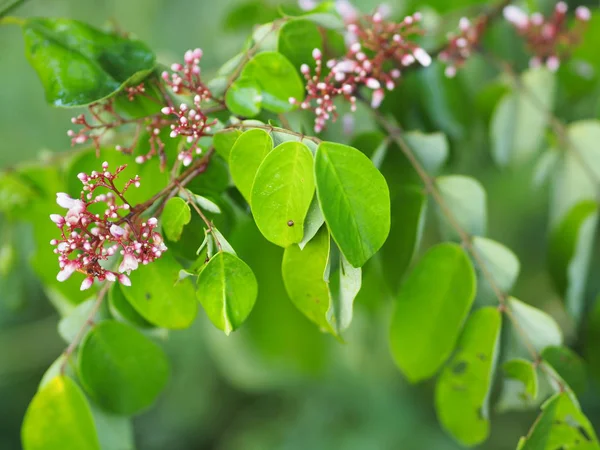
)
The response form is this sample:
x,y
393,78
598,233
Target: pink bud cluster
x,y
186,78
97,227
378,53
462,45
191,123
549,39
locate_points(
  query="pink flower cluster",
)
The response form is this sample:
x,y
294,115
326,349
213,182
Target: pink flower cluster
x,y
186,78
97,227
462,45
379,50
549,39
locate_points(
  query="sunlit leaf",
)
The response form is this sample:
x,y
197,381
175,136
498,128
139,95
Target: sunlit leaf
x,y
245,157
244,97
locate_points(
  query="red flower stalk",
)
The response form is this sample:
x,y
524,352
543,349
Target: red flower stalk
x,y
89,238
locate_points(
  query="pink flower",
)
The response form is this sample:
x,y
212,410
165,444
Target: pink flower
x,y
129,263
87,283
124,280
67,271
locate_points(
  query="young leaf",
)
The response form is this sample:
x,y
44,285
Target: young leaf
x,y
560,425
175,216
247,153
520,118
158,295
227,290
78,64
224,140
462,389
121,369
467,201
569,365
282,192
304,278
569,254
430,310
278,79
297,40
59,418
431,149
519,386
244,97
355,201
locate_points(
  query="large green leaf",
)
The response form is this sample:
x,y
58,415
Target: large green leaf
x,y
569,254
249,150
174,217
278,80
355,200
282,192
59,418
297,40
78,64
304,278
160,297
227,290
560,425
430,310
462,389
121,369
519,121
466,199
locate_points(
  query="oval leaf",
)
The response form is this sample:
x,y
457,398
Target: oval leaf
x,y
227,290
246,155
175,216
355,201
462,388
121,369
430,310
59,418
282,193
244,98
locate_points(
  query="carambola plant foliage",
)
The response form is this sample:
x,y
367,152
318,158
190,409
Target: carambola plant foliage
x,y
168,162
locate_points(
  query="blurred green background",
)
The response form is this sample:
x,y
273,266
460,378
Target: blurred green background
x,y
278,383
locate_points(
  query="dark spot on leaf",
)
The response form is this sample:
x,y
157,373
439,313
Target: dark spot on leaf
x,y
148,296
290,223
481,356
459,368
584,433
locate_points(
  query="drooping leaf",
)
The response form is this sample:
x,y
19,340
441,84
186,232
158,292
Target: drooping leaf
x,y
466,199
244,97
246,155
227,290
297,40
561,424
355,201
174,217
278,79
313,222
121,369
569,254
430,149
282,192
59,418
520,118
158,295
304,278
463,387
430,309
344,284
224,140
569,365
78,64
519,386
501,264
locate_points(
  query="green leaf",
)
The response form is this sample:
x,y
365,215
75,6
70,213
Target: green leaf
x,y
408,216
59,418
304,278
501,264
466,199
278,79
246,155
570,252
224,140
227,290
569,365
355,201
313,222
344,284
174,217
539,328
560,425
159,297
519,387
519,121
114,432
430,310
78,64
592,338
121,309
121,369
297,40
244,97
430,149
282,192
69,326
462,390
